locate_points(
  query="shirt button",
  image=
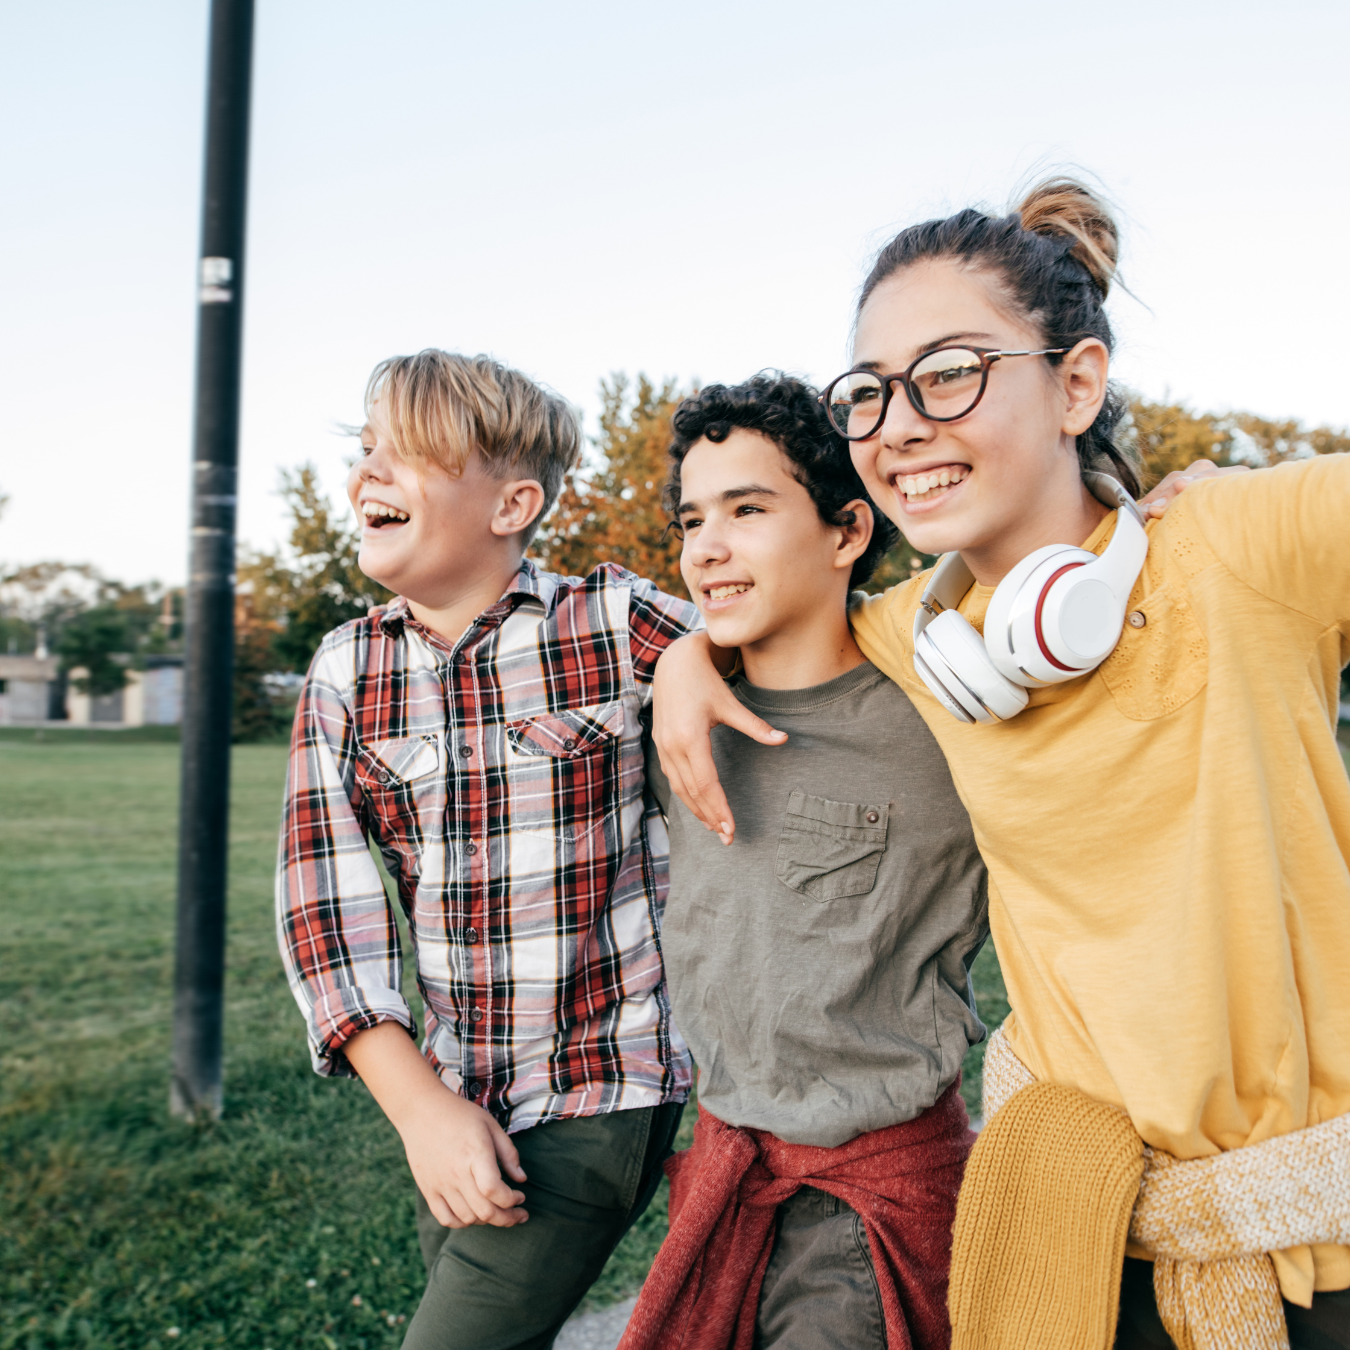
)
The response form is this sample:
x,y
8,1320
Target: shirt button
x,y
475,1088
475,1014
465,751
381,777
460,658
570,743
471,848
1138,618
873,817
471,936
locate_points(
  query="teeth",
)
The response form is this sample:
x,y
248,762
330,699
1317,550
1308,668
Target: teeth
x,y
722,592
380,509
918,485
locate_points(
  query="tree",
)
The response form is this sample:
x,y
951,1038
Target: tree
x,y
94,639
610,511
88,619
1170,436
316,585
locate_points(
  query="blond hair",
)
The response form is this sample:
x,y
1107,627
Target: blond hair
x,y
441,407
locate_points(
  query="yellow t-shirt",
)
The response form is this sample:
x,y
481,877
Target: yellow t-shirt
x,y
1167,837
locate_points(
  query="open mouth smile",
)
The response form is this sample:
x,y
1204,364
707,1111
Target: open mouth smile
x,y
379,516
722,593
930,485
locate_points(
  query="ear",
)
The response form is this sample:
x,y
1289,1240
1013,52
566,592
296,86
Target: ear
x,y
853,539
1083,375
519,502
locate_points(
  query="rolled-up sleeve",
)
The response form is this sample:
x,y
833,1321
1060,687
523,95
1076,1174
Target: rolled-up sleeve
x,y
335,926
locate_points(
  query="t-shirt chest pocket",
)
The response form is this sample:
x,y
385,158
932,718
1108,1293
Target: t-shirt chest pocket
x,y
1162,659
829,850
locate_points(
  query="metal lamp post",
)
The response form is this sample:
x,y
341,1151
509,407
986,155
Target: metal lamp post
x,y
199,976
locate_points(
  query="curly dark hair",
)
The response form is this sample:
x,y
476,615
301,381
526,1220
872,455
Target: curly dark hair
x,y
790,414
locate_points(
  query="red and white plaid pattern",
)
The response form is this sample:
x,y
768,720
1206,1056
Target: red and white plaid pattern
x,y
502,779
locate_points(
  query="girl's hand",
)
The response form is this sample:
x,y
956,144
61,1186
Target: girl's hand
x,y
1156,502
689,698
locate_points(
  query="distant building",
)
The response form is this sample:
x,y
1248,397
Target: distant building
x,y
26,687
152,697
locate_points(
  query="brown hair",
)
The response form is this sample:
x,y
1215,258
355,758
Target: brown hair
x,y
1055,258
441,407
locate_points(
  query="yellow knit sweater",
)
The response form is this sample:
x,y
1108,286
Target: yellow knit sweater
x,y
1055,1181
1167,838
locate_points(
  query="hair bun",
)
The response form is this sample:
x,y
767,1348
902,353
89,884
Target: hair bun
x,y
1065,207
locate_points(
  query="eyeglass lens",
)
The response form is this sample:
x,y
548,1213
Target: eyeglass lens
x,y
944,384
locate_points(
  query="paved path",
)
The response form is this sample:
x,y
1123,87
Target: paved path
x,y
595,1331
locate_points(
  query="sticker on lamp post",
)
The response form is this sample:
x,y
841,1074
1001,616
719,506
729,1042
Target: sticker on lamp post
x,y
217,274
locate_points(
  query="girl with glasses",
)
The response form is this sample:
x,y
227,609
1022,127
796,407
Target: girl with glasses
x,y
1139,717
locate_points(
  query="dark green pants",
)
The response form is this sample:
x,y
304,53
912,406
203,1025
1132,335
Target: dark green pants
x,y
513,1288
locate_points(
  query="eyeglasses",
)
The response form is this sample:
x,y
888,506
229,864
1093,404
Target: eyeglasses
x,y
941,386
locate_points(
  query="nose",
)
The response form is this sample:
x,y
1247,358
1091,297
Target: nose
x,y
374,467
708,547
904,427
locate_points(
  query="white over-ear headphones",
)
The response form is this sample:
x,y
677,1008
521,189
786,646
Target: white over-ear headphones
x,y
1054,617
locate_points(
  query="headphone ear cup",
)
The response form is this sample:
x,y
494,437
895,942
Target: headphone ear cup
x,y
950,658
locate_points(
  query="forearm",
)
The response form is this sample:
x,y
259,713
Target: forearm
x,y
455,1150
395,1072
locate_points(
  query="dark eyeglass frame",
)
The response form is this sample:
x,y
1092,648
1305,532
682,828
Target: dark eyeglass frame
x,y
987,358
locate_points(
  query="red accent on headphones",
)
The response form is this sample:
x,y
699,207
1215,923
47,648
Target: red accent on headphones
x,y
1040,604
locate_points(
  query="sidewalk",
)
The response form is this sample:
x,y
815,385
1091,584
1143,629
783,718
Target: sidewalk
x,y
595,1331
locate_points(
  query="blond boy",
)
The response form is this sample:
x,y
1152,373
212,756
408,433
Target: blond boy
x,y
483,729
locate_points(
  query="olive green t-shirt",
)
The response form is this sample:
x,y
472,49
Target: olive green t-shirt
x,y
819,966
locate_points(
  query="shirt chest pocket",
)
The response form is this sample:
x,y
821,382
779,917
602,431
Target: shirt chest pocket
x,y
828,850
404,783
564,768
389,765
1162,659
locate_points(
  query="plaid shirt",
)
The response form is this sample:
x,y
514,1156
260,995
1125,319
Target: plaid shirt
x,y
502,778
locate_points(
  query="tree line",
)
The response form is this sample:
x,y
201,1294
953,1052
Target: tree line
x,y
609,511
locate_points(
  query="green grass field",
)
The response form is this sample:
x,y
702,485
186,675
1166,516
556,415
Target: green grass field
x,y
289,1223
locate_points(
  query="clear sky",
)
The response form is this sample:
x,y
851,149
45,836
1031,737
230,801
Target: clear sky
x,y
689,190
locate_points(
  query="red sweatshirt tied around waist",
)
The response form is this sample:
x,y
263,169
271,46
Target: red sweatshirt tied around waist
x,y
703,1290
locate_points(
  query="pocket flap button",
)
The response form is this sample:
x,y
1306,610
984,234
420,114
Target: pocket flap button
x,y
1138,618
873,817
570,743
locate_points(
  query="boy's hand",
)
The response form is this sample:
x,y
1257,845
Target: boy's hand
x,y
457,1154
1176,482
689,698
456,1151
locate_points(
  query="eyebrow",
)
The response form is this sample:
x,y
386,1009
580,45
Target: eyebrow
x,y
730,495
927,347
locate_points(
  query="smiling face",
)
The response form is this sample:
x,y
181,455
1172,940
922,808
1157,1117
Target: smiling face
x,y
424,533
768,575
1003,480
